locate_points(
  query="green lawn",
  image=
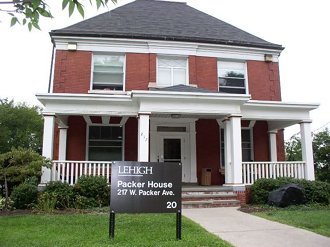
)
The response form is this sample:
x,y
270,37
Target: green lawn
x,y
92,230
315,219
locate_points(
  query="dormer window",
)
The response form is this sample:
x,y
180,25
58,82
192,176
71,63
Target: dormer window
x,y
108,72
171,71
232,77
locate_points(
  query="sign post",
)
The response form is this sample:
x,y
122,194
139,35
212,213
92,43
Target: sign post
x,y
145,187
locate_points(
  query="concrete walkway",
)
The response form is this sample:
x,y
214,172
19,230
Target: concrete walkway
x,y
245,230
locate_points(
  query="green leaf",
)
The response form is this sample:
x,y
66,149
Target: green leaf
x,y
30,26
35,24
24,21
13,21
65,3
80,9
98,3
71,8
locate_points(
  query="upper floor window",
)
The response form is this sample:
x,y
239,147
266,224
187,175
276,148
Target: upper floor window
x,y
108,72
231,76
171,71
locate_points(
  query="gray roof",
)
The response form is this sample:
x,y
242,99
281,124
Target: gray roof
x,y
162,20
184,88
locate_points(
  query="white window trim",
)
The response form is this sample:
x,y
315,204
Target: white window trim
x,y
246,82
172,56
91,90
109,125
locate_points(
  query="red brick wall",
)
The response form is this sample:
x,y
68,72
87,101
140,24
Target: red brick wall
x,y
72,72
192,70
261,141
264,80
208,149
152,67
131,139
56,142
76,140
280,145
206,72
138,71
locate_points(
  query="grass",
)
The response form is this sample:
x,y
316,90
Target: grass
x,y
312,218
92,230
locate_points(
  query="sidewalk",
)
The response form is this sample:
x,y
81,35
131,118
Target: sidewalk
x,y
245,230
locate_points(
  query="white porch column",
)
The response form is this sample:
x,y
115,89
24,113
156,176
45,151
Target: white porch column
x,y
272,145
62,142
193,162
307,149
47,146
143,137
227,149
236,149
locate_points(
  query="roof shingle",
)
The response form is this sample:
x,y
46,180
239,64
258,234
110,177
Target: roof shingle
x,y
162,20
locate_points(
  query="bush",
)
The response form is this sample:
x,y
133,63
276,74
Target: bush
x,y
94,188
316,191
63,193
46,202
24,195
10,203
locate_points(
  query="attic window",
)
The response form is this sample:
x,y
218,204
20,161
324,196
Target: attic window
x,y
108,72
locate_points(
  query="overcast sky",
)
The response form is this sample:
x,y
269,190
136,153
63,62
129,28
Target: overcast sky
x,y
301,26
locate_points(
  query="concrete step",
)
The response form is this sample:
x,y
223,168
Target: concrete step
x,y
201,197
208,189
210,203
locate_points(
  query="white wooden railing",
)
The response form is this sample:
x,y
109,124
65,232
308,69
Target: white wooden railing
x,y
251,171
69,171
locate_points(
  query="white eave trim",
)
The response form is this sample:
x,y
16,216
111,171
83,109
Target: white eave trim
x,y
282,104
82,97
190,95
165,47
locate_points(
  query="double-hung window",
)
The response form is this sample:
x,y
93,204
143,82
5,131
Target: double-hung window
x,y
171,71
246,145
232,77
108,72
105,143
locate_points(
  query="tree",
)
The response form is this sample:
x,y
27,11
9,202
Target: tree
x,y
321,151
20,126
17,166
321,148
29,11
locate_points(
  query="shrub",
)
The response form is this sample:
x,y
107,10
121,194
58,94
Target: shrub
x,y
94,188
316,191
63,193
24,195
46,202
10,203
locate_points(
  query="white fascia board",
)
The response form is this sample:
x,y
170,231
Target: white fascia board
x,y
166,48
86,104
189,103
277,110
191,95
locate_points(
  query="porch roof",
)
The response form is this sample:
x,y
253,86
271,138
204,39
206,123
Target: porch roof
x,y
189,104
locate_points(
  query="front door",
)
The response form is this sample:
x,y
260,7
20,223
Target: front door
x,y
172,149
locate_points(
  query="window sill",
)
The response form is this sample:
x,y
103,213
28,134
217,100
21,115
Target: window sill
x,y
99,91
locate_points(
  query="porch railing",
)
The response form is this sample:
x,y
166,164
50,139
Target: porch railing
x,y
251,171
69,171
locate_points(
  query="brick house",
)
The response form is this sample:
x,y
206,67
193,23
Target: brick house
x,y
162,81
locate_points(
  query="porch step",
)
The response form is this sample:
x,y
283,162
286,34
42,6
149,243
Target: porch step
x,y
210,204
208,196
